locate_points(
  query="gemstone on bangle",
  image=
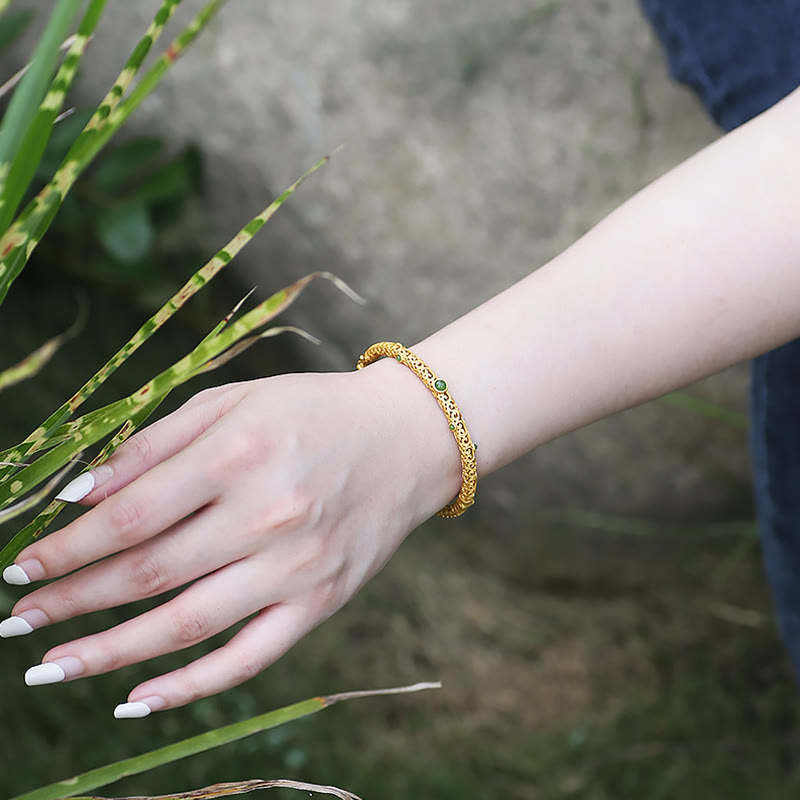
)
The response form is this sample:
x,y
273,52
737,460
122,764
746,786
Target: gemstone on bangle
x,y
452,427
440,385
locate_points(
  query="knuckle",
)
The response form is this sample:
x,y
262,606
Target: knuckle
x,y
295,509
190,688
125,517
147,576
311,555
241,450
247,667
190,627
69,605
108,658
330,596
56,603
140,447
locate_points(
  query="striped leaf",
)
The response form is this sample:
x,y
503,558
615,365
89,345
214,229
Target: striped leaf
x,y
32,500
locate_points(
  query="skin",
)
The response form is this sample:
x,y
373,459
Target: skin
x,y
699,271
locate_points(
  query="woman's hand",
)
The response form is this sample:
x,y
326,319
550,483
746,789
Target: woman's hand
x,y
276,499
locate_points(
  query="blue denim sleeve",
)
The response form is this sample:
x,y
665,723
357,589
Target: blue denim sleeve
x,y
741,57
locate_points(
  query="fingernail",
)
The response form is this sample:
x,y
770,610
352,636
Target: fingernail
x,y
140,708
22,574
78,488
15,576
54,671
14,626
23,623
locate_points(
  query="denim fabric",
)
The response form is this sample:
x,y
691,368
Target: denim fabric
x,y
741,57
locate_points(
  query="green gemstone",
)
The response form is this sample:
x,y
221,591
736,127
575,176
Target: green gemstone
x,y
399,358
452,427
440,385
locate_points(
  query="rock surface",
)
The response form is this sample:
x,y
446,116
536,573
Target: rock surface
x,y
481,139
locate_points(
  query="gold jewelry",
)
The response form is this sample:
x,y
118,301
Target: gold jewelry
x,y
438,388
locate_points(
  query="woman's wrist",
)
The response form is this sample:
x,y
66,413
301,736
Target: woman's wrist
x,y
413,434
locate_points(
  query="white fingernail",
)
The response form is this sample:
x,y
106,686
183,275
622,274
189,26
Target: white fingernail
x,y
77,489
14,626
15,576
131,710
43,674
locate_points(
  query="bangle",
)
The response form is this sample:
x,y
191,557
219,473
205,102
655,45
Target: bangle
x,y
438,388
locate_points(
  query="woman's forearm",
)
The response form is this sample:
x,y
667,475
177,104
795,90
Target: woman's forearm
x,y
698,271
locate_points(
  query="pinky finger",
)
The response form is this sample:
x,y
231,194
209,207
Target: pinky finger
x,y
255,647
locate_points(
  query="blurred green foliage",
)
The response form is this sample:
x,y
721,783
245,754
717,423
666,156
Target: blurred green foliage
x,y
113,230
13,25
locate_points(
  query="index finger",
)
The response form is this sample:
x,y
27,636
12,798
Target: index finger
x,y
156,443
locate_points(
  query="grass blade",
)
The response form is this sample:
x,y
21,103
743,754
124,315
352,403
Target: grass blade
x,y
33,87
19,74
154,75
246,344
705,408
33,363
13,26
33,145
33,500
202,743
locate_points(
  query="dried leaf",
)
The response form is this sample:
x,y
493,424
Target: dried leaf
x,y
243,787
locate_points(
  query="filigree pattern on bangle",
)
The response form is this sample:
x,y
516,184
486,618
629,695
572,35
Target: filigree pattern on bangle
x,y
438,388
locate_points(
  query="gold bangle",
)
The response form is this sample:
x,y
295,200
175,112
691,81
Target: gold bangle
x,y
438,388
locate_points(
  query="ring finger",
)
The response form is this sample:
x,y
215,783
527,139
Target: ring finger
x,y
206,608
187,551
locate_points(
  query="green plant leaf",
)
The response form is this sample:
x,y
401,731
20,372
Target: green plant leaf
x,y
126,161
61,139
202,743
174,180
13,25
28,97
27,503
126,232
